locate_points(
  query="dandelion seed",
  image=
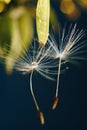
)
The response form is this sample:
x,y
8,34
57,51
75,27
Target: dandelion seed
x,y
71,48
35,59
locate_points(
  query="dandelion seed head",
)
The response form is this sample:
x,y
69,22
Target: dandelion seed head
x,y
35,58
71,46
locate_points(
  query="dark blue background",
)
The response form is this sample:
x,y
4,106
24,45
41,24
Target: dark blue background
x,y
17,109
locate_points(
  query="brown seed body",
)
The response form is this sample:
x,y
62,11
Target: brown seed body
x,y
41,117
55,102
